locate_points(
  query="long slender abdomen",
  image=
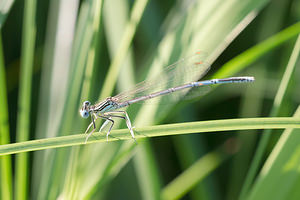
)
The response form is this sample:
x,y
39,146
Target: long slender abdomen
x,y
242,79
188,85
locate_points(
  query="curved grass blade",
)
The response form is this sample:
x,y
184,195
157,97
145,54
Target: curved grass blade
x,y
155,131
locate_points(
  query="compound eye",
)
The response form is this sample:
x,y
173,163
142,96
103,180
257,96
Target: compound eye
x,y
84,113
86,103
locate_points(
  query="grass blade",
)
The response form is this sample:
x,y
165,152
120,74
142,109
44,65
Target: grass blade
x,y
28,45
80,50
147,172
74,174
274,112
109,83
5,6
189,32
252,54
189,150
6,165
253,99
155,131
281,167
111,77
195,173
56,67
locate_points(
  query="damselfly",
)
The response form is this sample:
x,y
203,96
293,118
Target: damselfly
x,y
176,77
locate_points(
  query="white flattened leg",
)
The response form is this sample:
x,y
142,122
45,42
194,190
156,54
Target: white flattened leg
x,y
107,120
127,120
104,124
92,123
112,124
87,137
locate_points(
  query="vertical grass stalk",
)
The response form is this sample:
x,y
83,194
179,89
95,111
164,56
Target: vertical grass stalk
x,y
5,165
23,122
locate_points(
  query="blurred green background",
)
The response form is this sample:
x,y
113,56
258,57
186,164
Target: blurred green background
x,y
56,54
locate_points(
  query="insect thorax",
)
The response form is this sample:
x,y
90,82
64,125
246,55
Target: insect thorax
x,y
109,104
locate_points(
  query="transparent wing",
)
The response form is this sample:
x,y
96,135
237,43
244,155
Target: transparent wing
x,y
183,71
185,94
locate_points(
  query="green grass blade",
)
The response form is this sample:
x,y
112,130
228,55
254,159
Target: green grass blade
x,y
147,172
274,112
28,45
189,150
82,44
5,6
253,99
87,183
80,50
74,174
280,172
252,54
112,75
153,35
56,69
6,168
118,53
182,184
223,11
118,161
251,106
155,131
190,32
115,22
52,87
